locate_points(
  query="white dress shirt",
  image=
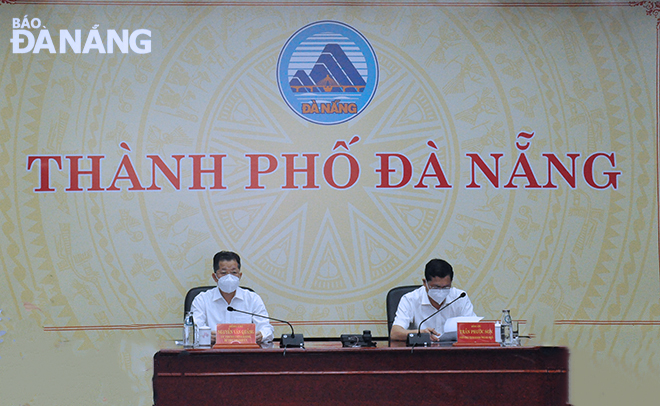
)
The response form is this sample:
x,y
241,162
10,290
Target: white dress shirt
x,y
415,307
210,309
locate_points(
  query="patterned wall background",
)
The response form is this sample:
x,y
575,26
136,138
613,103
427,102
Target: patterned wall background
x,y
93,280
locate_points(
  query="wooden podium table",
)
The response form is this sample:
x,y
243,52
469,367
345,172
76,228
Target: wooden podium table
x,y
332,375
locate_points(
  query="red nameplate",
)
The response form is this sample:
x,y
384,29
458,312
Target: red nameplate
x,y
235,336
476,334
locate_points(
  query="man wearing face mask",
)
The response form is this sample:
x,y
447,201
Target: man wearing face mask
x,y
210,308
423,302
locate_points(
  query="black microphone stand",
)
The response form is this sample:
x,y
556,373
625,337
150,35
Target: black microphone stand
x,y
286,340
424,339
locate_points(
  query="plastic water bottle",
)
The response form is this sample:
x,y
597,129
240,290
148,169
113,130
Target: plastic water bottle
x,y
188,331
507,328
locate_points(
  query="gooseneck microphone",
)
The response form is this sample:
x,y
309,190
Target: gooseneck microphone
x,y
419,329
293,340
425,338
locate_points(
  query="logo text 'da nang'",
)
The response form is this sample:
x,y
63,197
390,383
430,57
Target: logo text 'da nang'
x,y
30,35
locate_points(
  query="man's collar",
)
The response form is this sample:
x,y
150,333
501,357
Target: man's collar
x,y
240,294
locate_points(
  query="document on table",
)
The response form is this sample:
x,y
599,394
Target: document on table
x,y
451,326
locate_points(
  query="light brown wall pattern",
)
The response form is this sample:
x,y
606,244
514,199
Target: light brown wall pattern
x,y
93,278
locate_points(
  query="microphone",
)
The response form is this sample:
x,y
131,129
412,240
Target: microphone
x,y
425,338
293,340
419,329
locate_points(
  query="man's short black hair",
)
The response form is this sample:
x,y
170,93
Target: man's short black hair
x,y
225,256
438,267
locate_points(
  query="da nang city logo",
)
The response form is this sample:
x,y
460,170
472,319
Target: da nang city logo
x,y
327,72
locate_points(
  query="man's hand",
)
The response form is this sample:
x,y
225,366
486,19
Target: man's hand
x,y
398,333
434,334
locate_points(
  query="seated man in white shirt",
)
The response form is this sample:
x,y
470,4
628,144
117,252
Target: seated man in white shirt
x,y
210,308
423,302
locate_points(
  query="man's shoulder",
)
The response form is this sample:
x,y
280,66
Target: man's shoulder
x,y
415,295
249,294
205,295
456,292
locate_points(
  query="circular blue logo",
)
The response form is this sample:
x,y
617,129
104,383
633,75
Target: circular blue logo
x,y
327,72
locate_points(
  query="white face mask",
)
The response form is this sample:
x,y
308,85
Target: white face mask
x,y
228,283
439,295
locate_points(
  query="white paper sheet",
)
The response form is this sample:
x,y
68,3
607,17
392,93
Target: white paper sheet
x,y
451,325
